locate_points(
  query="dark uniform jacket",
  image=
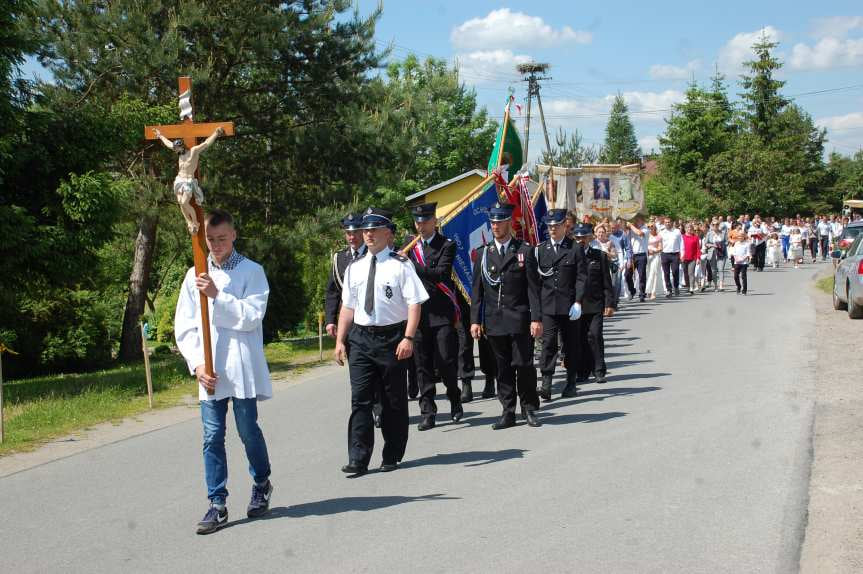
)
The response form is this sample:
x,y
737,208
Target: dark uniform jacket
x,y
598,291
508,307
333,302
439,256
562,275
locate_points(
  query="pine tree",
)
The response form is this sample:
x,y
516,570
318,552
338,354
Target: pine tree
x,y
761,90
621,145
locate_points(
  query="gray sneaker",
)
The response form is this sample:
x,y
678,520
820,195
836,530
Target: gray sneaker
x,y
213,520
260,502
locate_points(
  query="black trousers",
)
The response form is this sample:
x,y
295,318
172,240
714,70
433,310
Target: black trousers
x,y
487,360
516,374
590,345
759,256
375,372
671,269
466,364
554,328
740,275
436,347
639,263
813,246
825,246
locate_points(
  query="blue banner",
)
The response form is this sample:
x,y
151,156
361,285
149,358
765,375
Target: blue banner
x,y
469,229
541,209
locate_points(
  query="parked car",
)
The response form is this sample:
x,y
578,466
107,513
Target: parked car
x,y
848,280
849,234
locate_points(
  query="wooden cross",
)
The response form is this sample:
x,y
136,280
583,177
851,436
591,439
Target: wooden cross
x,y
190,132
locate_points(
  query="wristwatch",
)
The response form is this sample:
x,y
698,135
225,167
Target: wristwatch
x,y
409,338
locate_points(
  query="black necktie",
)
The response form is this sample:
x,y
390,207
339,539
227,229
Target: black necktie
x,y
502,251
356,254
370,287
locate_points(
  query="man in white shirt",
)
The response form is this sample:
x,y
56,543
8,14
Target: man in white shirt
x,y
637,235
237,290
672,245
381,298
825,232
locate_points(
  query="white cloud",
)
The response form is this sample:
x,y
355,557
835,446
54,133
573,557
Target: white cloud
x,y
833,49
844,133
739,48
836,26
506,29
644,106
840,123
666,72
482,67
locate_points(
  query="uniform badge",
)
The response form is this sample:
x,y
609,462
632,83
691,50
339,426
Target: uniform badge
x,y
388,292
521,259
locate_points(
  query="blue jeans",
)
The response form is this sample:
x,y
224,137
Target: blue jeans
x,y
213,415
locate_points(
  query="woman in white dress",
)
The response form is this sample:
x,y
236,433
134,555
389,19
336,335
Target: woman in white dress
x,y
795,249
654,251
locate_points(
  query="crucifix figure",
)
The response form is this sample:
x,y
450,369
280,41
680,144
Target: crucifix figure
x,y
185,184
187,189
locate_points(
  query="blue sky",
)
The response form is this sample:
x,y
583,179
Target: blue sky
x,y
648,52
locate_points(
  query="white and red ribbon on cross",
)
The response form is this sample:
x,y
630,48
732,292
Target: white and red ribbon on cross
x,y
418,253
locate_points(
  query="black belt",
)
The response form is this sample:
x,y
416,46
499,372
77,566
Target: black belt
x,y
382,329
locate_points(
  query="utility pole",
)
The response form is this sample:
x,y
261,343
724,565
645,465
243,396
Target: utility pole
x,y
530,70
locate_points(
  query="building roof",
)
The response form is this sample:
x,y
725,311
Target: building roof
x,y
479,172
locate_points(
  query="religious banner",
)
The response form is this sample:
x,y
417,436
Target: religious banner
x,y
610,191
627,190
560,186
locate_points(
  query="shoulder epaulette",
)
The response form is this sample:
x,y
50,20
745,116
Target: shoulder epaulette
x,y
398,256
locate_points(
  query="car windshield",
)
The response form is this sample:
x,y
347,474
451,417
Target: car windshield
x,y
851,232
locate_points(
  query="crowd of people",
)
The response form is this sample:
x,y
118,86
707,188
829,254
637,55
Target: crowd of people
x,y
697,255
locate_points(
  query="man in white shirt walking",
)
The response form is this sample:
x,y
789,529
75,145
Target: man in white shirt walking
x,y
672,245
637,234
237,289
382,298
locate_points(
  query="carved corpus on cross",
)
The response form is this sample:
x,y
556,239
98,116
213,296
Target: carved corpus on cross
x,y
189,192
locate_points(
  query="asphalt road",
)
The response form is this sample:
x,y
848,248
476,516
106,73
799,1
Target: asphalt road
x,y
694,457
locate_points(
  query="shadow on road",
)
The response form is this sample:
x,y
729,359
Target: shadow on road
x,y
551,419
469,458
340,505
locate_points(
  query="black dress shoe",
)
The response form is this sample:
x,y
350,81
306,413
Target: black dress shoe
x,y
641,299
427,423
569,391
532,421
544,391
600,379
457,413
488,391
389,466
355,467
505,422
466,391
677,292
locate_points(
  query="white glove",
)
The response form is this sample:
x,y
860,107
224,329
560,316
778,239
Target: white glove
x,y
575,312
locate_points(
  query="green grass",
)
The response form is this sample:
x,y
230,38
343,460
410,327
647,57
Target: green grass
x,y
825,284
42,408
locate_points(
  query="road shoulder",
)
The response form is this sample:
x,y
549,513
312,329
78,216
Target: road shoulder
x,y
834,532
